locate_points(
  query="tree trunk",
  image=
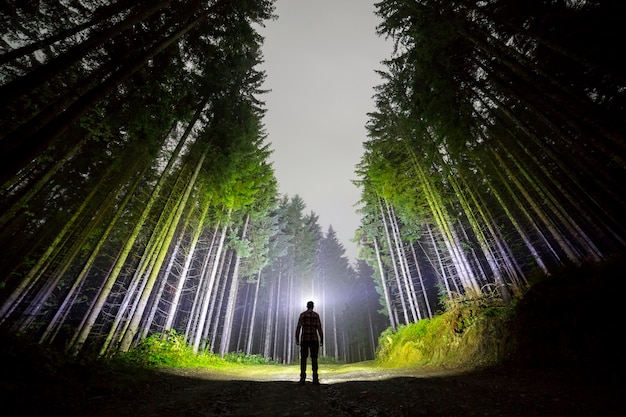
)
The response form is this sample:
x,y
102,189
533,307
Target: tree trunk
x,y
83,331
267,347
129,335
207,296
232,298
253,315
82,275
404,267
395,265
422,286
381,270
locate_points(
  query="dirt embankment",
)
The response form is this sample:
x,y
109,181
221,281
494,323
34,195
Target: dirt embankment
x,y
369,392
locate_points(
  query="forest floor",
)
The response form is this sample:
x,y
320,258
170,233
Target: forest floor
x,y
363,390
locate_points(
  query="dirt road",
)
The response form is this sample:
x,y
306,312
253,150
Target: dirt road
x,y
362,390
365,392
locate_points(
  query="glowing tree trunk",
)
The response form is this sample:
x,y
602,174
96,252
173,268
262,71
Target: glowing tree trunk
x,y
269,324
207,296
479,234
421,281
130,333
445,226
200,287
82,275
171,314
403,263
232,298
383,284
510,263
145,267
87,324
324,305
244,323
167,273
443,275
336,343
277,312
289,329
395,265
253,314
214,319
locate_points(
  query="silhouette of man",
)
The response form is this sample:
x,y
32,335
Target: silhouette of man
x,y
307,331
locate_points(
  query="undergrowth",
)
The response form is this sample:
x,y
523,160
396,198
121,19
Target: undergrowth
x,y
170,349
562,319
470,332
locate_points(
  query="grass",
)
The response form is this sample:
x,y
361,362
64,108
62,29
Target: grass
x,y
471,332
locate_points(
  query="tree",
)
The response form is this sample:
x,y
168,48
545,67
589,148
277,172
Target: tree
x,y
487,148
155,120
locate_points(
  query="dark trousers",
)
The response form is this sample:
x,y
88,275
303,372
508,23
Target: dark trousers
x,y
307,348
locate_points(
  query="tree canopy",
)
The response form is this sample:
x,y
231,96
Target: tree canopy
x,y
495,149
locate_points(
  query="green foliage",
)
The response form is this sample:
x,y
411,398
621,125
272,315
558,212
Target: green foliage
x,y
242,358
471,332
157,350
95,123
169,349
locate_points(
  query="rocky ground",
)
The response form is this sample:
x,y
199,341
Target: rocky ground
x,y
369,393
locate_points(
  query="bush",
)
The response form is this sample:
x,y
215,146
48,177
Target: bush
x,y
168,349
240,357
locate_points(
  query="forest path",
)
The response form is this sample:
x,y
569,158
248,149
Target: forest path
x,y
366,391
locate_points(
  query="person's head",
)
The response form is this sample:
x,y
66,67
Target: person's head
x,y
309,305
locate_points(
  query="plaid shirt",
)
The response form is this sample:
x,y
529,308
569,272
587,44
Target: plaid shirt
x,y
311,325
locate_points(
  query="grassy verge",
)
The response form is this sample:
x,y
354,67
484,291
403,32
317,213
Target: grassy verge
x,y
567,319
472,332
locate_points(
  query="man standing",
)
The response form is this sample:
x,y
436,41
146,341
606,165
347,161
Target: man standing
x,y
307,331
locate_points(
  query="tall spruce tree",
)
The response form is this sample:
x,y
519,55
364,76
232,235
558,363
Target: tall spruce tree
x,y
498,135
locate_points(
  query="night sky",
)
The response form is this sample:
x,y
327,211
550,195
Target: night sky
x,y
320,61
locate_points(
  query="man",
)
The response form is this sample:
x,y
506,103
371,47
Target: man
x,y
307,331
